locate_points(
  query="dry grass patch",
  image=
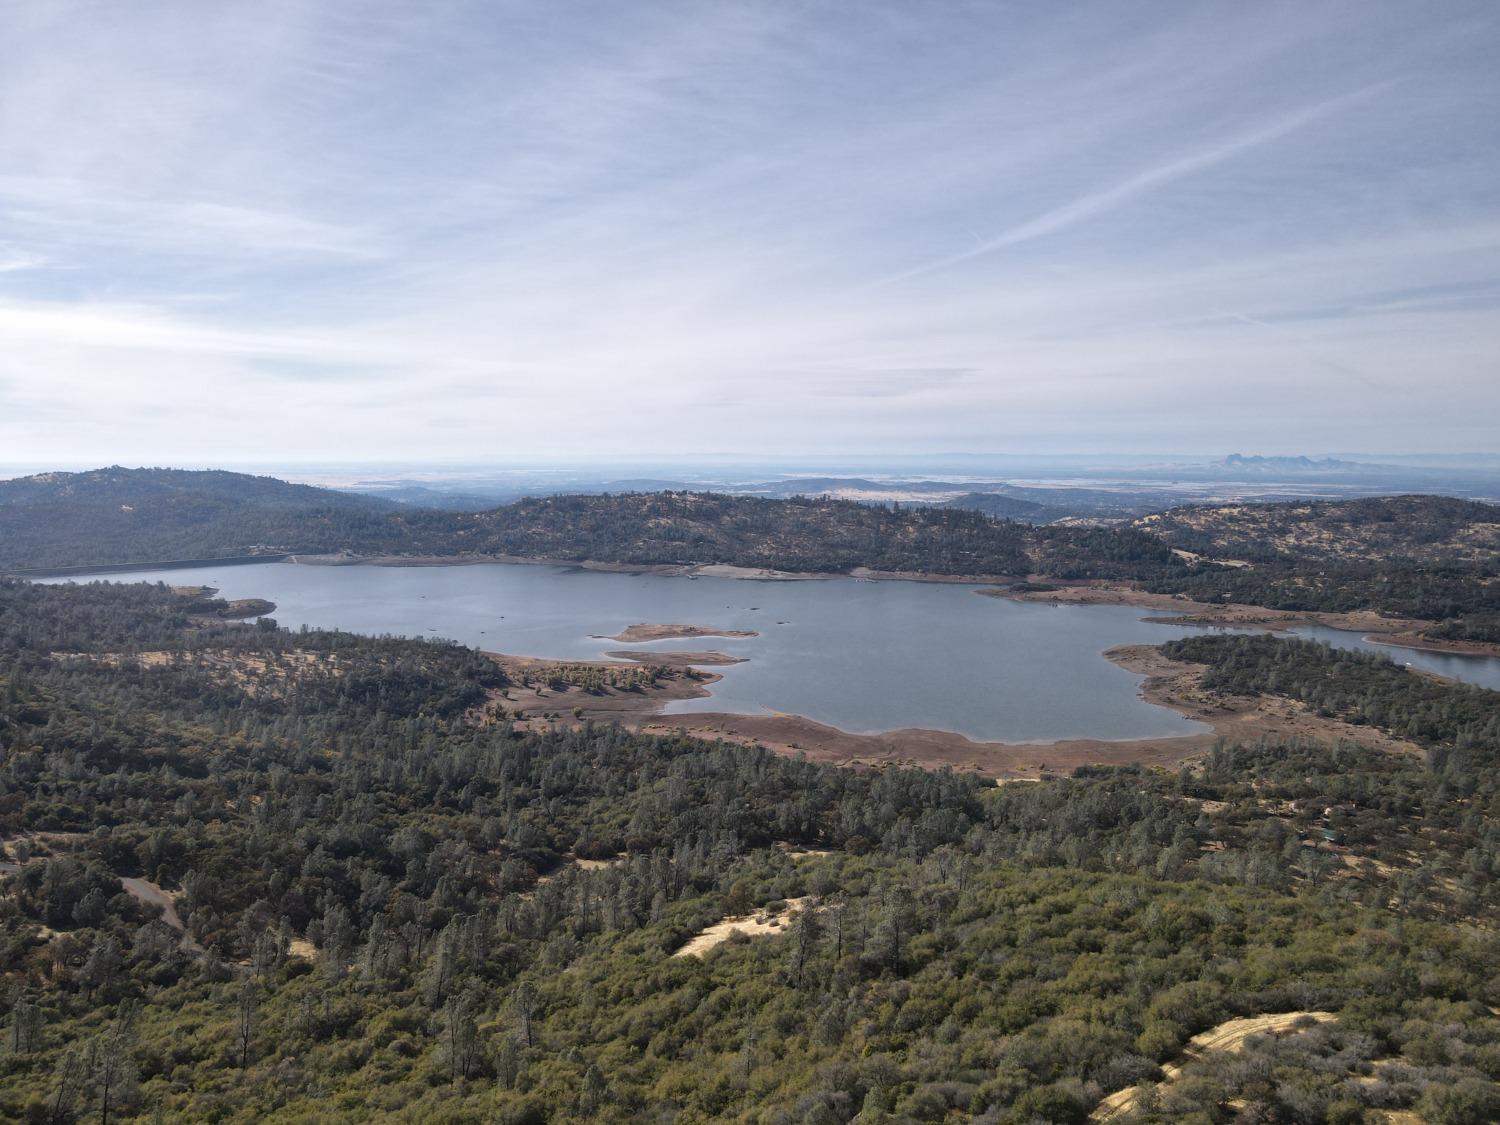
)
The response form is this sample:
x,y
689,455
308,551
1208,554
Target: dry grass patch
x,y
751,925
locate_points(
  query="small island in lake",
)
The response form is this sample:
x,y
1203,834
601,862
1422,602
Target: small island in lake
x,y
644,632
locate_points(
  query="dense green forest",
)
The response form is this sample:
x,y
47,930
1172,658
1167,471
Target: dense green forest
x,y
396,905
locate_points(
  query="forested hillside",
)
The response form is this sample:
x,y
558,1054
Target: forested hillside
x,y
1433,558
795,534
394,905
1006,507
118,515
1430,558
1383,529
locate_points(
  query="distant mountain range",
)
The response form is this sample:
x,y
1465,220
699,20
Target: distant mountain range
x,y
1256,464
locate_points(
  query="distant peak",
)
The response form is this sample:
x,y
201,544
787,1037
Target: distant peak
x,y
1283,464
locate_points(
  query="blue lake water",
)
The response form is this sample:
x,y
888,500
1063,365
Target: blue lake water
x,y
863,656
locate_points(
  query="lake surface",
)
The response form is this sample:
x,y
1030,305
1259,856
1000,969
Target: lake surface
x,y
863,656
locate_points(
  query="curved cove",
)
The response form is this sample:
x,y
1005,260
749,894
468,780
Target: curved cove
x,y
862,656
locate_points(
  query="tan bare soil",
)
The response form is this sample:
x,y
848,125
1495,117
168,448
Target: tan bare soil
x,y
149,893
572,863
751,925
1230,1036
644,632
797,855
596,864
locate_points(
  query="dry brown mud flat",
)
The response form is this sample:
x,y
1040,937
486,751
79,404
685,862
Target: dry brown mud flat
x,y
1168,683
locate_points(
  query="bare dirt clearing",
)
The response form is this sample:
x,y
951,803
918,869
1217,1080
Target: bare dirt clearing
x,y
301,947
751,925
1230,1036
152,895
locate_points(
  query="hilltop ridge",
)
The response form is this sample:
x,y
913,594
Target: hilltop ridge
x,y
1422,558
1419,528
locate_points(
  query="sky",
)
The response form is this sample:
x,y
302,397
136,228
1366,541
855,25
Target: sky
x,y
446,231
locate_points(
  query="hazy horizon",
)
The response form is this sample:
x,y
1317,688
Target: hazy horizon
x,y
292,234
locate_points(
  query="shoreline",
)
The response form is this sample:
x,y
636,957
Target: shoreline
x,y
663,570
1392,632
1376,628
1167,683
539,705
545,692
670,659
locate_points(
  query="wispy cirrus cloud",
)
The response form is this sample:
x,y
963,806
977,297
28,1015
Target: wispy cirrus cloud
x,y
588,228
1104,200
41,210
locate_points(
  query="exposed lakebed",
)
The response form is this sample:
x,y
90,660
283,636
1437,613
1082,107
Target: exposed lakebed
x,y
859,655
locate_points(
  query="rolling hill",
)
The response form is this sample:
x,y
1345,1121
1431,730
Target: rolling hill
x,y
1006,507
1422,529
117,515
